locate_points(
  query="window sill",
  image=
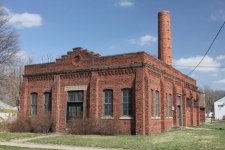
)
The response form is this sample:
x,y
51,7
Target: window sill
x,y
157,118
107,117
169,117
126,117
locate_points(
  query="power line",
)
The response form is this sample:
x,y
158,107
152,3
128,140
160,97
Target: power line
x,y
207,50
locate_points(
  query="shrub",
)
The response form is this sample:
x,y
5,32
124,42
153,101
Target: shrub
x,y
93,126
22,124
41,123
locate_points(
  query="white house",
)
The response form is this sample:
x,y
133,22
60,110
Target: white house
x,y
219,108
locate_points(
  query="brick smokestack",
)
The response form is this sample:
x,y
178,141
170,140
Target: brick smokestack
x,y
164,37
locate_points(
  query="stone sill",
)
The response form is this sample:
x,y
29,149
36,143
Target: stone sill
x,y
126,117
169,117
107,117
157,118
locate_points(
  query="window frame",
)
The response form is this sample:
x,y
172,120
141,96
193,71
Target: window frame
x,y
129,103
169,99
48,106
110,104
33,106
157,104
152,111
75,104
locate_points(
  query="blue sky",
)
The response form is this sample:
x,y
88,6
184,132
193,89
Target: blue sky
x,y
53,27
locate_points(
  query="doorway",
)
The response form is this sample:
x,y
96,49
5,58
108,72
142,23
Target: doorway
x,y
179,111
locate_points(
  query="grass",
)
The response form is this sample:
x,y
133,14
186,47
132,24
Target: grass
x,y
7,136
173,140
18,148
219,125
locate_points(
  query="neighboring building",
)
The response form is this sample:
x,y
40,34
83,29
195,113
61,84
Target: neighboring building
x,y
219,109
7,112
141,93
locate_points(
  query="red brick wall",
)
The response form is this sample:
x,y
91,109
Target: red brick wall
x,y
138,71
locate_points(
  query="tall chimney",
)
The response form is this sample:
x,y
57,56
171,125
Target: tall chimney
x,y
164,37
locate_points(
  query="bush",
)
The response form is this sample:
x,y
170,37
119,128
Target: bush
x,y
22,124
42,123
88,126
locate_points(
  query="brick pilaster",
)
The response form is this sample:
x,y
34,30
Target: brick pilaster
x,y
94,95
140,102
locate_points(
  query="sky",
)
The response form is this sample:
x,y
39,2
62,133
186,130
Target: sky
x,y
48,29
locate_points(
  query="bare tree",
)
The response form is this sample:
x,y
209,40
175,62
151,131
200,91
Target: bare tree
x,y
9,47
211,96
8,39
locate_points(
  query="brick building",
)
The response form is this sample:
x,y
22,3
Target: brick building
x,y
142,93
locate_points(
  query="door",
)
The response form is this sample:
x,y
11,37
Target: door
x,y
179,111
179,116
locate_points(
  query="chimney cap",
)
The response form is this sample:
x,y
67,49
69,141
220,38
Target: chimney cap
x,y
164,11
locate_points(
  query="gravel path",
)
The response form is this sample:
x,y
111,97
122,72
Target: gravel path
x,y
25,143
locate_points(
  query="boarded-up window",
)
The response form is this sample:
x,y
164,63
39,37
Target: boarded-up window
x,y
169,105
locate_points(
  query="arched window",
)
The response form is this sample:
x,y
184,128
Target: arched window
x,y
108,102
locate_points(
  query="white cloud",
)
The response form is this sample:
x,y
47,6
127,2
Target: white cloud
x,y
209,64
220,81
144,40
221,57
218,16
24,20
125,3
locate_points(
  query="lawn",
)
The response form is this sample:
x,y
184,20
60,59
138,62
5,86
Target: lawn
x,y
17,148
7,136
219,125
201,139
